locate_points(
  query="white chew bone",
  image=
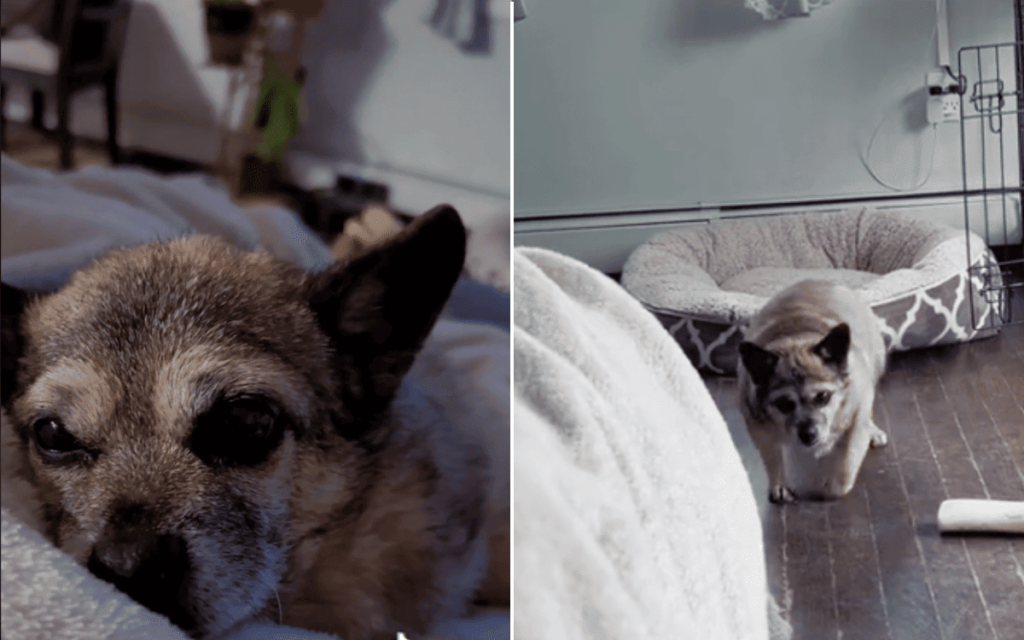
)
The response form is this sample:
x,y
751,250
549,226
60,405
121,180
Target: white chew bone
x,y
996,516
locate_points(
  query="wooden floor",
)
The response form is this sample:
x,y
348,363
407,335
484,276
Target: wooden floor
x,y
35,149
873,566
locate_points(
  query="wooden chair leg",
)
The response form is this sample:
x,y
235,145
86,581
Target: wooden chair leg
x,y
64,138
3,116
110,97
38,110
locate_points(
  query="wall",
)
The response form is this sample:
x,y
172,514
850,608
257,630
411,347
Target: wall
x,y
651,104
392,98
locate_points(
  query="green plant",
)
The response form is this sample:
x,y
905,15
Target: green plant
x,y
276,112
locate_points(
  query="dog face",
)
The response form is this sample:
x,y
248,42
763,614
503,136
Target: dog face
x,y
190,412
801,386
807,381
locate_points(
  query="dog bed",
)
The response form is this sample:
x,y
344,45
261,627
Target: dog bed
x,y
705,284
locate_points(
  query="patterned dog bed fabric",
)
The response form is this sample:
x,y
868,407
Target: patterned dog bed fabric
x,y
705,283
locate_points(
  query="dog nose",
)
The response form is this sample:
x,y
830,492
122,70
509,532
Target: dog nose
x,y
152,569
807,433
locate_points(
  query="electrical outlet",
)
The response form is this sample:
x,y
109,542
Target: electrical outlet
x,y
944,108
950,108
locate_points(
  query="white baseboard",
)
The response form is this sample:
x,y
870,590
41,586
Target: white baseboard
x,y
604,241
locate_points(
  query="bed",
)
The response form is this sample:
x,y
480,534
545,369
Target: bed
x,y
634,517
53,224
705,283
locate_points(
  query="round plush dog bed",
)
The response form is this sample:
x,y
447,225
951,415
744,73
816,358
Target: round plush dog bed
x,y
705,283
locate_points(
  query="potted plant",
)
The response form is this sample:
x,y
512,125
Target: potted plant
x,y
276,120
229,23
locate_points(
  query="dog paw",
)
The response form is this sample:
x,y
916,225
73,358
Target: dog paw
x,y
878,438
780,494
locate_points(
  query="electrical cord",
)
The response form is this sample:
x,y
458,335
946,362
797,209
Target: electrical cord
x,y
931,164
961,80
866,158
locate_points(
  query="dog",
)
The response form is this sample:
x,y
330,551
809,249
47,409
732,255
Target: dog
x,y
808,370
229,439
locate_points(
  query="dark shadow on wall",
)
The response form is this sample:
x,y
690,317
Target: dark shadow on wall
x,y
914,110
446,17
699,21
343,50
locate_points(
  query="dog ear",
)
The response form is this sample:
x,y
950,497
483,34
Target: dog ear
x,y
379,308
13,302
835,346
760,363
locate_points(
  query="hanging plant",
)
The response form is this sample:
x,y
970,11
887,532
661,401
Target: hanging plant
x,y
229,23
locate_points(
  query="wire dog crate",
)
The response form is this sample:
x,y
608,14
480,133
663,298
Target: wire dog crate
x,y
992,147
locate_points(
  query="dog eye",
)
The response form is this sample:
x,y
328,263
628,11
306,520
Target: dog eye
x,y
822,398
238,431
785,405
54,440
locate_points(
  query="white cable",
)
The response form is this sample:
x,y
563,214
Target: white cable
x,y
931,164
866,158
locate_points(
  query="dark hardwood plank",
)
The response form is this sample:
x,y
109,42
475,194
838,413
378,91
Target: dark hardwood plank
x,y
993,393
905,583
811,575
922,436
997,570
988,450
859,591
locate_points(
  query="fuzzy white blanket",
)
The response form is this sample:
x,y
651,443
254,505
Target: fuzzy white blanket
x,y
52,225
634,517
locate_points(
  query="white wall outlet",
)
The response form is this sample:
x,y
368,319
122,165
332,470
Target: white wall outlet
x,y
951,108
944,108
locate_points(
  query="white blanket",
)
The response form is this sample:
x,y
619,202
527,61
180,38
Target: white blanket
x,y
53,224
634,517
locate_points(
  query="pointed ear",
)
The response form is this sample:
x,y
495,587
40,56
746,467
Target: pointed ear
x,y
379,308
835,346
760,363
13,302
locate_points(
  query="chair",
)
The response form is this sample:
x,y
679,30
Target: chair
x,y
82,48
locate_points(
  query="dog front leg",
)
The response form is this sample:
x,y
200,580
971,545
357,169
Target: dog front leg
x,y
850,452
769,446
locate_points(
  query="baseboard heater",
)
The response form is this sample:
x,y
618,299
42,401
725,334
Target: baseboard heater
x,y
604,240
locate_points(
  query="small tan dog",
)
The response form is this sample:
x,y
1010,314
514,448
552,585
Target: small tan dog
x,y
227,438
809,368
